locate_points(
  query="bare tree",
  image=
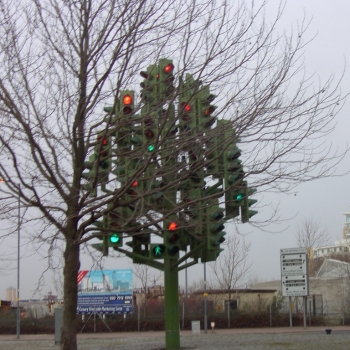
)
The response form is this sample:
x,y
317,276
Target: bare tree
x,y
232,269
61,61
310,234
146,276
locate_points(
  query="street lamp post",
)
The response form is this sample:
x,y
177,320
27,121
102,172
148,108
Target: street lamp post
x,y
18,318
18,322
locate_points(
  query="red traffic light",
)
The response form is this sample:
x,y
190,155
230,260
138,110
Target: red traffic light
x,y
144,74
209,110
173,226
135,184
169,68
174,238
186,106
127,100
149,134
127,110
104,140
149,122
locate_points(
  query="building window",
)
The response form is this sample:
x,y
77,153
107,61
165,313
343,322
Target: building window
x,y
233,304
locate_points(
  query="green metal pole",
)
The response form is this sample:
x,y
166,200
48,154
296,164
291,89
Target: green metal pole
x,y
171,295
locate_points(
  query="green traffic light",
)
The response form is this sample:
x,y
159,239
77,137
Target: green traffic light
x,y
104,164
239,197
218,214
150,148
114,238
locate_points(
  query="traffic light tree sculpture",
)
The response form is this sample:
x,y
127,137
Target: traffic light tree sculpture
x,y
177,167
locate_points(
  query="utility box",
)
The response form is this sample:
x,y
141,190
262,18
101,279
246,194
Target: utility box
x,y
58,325
196,327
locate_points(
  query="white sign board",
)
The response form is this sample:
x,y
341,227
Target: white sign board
x,y
293,264
294,251
294,272
296,285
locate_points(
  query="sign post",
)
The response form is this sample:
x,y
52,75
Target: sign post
x,y
294,275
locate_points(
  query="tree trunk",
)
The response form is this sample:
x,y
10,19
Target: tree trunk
x,y
70,287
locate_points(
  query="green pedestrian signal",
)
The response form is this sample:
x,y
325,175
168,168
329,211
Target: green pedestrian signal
x,y
157,251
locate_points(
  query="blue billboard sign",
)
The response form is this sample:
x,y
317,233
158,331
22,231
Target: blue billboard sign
x,y
105,291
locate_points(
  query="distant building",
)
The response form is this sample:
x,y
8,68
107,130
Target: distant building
x,y
249,299
339,246
329,293
346,229
11,294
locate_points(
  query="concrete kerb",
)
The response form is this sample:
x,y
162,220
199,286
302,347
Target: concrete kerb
x,y
267,330
295,338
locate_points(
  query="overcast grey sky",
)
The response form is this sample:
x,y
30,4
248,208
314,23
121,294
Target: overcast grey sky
x,y
325,200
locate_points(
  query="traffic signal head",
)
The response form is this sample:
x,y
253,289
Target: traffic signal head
x,y
232,163
187,105
205,108
172,235
212,157
120,170
140,246
114,228
215,225
90,175
149,85
246,213
103,149
165,78
150,132
193,199
127,105
187,116
153,194
234,198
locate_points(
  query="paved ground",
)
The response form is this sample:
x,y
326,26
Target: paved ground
x,y
263,338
